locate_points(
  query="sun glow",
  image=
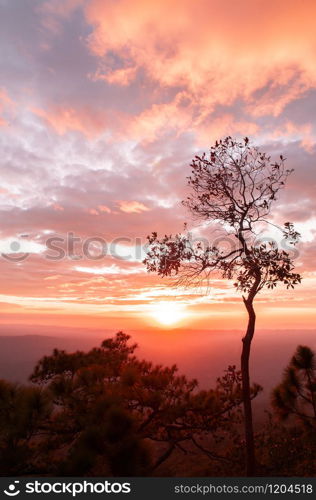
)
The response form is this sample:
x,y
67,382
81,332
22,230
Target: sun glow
x,y
168,313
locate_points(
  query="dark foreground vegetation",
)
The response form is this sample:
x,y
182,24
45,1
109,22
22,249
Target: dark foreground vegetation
x,y
105,412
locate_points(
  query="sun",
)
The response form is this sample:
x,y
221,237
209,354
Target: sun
x,y
168,313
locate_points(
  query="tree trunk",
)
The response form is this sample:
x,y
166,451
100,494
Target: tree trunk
x,y
245,355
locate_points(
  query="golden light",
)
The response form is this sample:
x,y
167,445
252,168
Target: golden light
x,y
168,313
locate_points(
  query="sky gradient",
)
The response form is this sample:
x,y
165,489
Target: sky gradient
x,y
103,103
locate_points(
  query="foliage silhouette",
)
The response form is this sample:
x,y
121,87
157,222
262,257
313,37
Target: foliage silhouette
x,y
22,413
286,450
287,444
233,187
105,412
295,396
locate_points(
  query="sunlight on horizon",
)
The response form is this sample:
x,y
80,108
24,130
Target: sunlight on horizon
x,y
168,313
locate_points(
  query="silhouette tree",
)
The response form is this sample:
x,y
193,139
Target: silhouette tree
x,y
23,411
286,448
105,412
288,443
296,394
109,406
233,187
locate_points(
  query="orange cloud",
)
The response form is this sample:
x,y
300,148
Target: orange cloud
x,y
177,115
123,76
93,211
132,207
225,125
67,118
218,53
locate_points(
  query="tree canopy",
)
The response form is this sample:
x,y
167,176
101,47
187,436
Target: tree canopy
x,y
107,412
234,186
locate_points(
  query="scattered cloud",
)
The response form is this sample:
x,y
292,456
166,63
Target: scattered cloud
x,y
102,107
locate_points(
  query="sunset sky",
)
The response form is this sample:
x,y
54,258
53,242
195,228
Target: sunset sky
x,y
103,104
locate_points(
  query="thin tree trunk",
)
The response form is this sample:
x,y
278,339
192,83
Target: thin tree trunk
x,y
245,355
312,393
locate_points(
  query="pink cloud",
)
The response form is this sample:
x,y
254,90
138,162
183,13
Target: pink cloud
x,y
104,208
58,207
163,79
293,131
53,12
5,104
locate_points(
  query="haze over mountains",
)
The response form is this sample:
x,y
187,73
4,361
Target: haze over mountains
x,y
198,353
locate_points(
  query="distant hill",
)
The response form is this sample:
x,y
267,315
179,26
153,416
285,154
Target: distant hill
x,y
198,353
19,354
